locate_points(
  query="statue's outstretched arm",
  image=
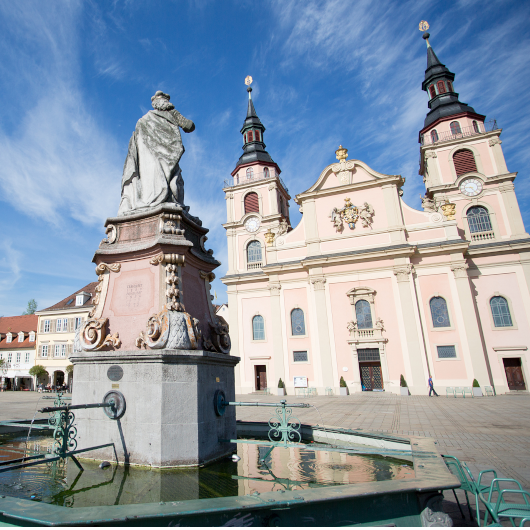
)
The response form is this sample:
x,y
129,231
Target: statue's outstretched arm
x,y
187,125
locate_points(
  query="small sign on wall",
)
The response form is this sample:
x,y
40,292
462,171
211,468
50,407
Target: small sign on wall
x,y
300,382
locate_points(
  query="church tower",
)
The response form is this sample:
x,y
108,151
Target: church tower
x,y
462,163
257,200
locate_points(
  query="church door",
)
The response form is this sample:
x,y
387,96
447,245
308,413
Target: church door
x,y
261,377
514,373
370,368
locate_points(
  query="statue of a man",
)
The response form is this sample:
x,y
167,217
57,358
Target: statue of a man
x,y
151,174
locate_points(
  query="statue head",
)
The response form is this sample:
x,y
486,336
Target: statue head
x,y
160,101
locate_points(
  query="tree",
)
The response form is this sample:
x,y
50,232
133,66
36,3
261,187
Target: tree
x,y
69,368
32,307
37,370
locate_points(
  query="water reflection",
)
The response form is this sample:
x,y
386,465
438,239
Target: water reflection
x,y
63,484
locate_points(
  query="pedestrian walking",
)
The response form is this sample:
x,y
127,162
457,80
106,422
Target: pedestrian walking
x,y
431,387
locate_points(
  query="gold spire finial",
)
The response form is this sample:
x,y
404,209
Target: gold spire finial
x,y
341,153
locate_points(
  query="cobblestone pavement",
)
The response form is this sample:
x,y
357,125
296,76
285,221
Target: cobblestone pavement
x,y
487,432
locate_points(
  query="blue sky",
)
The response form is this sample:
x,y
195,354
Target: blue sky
x,y
76,76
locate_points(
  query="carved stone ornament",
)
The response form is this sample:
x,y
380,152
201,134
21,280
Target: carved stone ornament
x,y
449,210
100,271
319,284
431,154
272,186
269,237
436,217
351,326
402,272
220,338
92,335
274,288
112,234
172,330
169,223
344,167
428,205
350,214
202,242
495,141
173,294
229,195
460,270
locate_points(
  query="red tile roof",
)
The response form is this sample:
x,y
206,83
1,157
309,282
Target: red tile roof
x,y
63,304
25,323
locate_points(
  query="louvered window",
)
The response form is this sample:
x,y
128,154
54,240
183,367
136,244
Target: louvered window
x,y
455,128
257,135
250,137
475,126
479,220
441,87
500,312
464,162
450,86
363,314
434,136
254,252
432,90
251,203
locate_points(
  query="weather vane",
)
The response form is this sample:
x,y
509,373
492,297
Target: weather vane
x,y
424,26
248,79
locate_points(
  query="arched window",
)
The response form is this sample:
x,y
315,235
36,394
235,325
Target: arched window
x,y
432,90
266,173
363,314
254,252
475,126
464,162
441,87
250,136
250,172
297,322
434,136
500,312
251,202
455,128
439,313
258,328
479,220
450,86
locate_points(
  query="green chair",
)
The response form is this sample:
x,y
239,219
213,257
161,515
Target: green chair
x,y
489,391
455,467
468,390
508,510
329,391
459,390
450,390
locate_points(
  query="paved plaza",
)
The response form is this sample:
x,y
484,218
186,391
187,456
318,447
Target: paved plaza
x,y
487,432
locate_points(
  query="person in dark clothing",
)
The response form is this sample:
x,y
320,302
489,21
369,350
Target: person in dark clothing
x,y
431,387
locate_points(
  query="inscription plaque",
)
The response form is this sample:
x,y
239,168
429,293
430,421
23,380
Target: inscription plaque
x,y
115,372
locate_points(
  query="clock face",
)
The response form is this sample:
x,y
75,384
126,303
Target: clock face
x,y
252,224
471,187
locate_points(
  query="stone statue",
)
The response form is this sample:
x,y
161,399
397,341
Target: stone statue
x,y
366,213
151,174
428,204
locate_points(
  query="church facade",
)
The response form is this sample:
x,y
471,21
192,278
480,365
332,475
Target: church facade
x,y
368,289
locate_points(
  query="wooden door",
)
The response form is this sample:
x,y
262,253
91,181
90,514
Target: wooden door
x,y
371,376
514,374
261,377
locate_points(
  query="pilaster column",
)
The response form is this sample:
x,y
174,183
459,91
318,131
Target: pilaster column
x,y
311,227
512,209
323,330
433,178
231,239
412,333
498,155
525,263
355,378
477,354
273,198
229,197
277,333
393,212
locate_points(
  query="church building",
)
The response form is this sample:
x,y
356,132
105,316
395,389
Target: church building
x,y
368,289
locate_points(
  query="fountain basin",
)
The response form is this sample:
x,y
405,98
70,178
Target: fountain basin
x,y
411,501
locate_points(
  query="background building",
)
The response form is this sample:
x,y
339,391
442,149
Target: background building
x,y
57,325
368,288
17,349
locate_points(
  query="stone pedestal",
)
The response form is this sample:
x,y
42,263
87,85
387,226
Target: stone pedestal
x,y
169,418
153,320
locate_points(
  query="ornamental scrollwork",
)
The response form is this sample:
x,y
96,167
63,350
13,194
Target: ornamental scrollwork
x,y
319,284
92,335
173,294
100,271
402,273
350,213
112,234
431,154
460,270
449,210
220,337
344,167
494,141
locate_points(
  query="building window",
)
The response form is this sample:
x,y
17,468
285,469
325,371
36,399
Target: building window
x,y
455,128
500,312
9,337
32,336
26,357
439,313
9,358
300,356
368,355
450,86
78,321
254,252
44,351
46,326
478,219
475,126
266,173
251,202
446,352
63,351
21,337
434,136
18,356
56,350
62,324
250,173
363,314
250,136
464,162
432,91
258,328
441,87
257,136
297,322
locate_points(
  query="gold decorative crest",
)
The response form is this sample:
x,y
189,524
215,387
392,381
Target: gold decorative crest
x,y
350,214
